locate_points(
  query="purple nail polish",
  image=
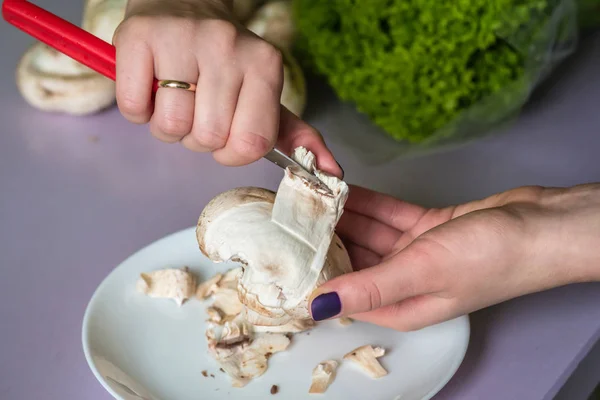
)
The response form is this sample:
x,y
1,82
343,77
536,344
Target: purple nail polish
x,y
325,306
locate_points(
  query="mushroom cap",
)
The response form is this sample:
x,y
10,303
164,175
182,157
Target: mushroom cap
x,y
274,23
236,225
51,81
293,94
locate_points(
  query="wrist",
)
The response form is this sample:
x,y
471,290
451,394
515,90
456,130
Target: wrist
x,y
569,233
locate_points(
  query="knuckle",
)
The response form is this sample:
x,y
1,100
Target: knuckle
x,y
268,62
375,300
134,27
499,222
174,125
130,105
368,290
524,194
300,136
251,145
223,36
268,54
424,256
209,139
407,316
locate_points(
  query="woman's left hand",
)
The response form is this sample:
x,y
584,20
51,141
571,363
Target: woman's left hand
x,y
416,267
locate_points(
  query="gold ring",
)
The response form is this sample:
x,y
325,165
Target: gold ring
x,y
170,84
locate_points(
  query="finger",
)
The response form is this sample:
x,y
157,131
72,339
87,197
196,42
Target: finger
x,y
173,108
412,314
360,257
293,133
384,208
256,120
410,273
134,75
216,99
367,232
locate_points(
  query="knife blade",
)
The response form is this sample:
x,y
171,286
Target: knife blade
x,y
283,161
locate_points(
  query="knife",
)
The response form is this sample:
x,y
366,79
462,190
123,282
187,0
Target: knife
x,y
96,54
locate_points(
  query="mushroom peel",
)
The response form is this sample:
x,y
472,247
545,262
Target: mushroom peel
x,y
51,81
285,241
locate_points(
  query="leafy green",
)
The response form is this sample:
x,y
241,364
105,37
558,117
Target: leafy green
x,y
427,70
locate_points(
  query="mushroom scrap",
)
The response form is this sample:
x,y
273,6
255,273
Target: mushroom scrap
x,y
170,283
322,376
285,242
366,358
241,349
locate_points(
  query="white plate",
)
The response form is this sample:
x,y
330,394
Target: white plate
x,y
143,348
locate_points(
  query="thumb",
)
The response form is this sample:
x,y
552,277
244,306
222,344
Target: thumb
x,y
409,273
294,132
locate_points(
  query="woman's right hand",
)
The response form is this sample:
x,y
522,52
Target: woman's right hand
x,y
235,112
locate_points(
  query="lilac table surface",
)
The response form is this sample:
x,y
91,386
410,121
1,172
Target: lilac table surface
x,y
79,195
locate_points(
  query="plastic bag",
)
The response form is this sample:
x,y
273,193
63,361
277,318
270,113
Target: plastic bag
x,y
548,36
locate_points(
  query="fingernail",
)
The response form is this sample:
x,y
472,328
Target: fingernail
x,y
325,306
341,169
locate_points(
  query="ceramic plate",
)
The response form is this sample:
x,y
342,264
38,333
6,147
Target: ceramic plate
x,y
151,349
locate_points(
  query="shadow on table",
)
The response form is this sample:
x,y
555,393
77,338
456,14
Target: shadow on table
x,y
480,326
539,96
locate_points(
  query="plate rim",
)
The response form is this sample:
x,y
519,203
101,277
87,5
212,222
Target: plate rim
x,y
92,365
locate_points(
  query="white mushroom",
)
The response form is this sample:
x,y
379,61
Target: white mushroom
x,y
52,81
273,22
322,376
366,357
101,17
285,242
171,283
293,94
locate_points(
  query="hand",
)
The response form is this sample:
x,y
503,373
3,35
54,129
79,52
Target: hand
x,y
417,267
235,112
